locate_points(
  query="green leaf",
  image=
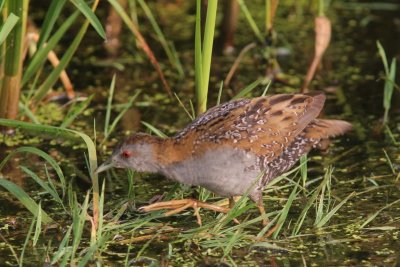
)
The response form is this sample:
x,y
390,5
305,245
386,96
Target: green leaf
x,y
41,55
52,14
248,89
328,216
41,154
40,182
382,53
7,27
75,111
25,199
90,16
158,132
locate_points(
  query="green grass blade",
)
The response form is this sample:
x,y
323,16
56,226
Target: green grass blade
x,y
157,132
41,154
101,212
388,90
328,216
303,169
172,57
382,53
109,105
221,86
267,88
208,41
251,21
75,111
2,2
40,182
62,248
55,74
25,111
90,16
248,89
79,219
7,27
119,116
198,59
285,211
52,14
24,198
27,238
69,134
38,228
183,106
373,216
40,56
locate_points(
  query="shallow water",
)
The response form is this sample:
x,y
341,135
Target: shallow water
x,y
351,79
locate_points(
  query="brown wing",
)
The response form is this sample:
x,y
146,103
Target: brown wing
x,y
263,125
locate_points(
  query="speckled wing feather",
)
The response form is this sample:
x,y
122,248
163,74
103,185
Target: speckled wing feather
x,y
263,125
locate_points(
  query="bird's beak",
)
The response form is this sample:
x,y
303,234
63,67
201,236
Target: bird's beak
x,y
105,166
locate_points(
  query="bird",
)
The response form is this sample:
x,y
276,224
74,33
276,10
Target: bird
x,y
233,149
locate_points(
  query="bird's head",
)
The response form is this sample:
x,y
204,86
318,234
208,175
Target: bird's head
x,y
137,152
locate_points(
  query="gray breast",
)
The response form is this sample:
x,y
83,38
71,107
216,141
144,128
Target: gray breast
x,y
226,171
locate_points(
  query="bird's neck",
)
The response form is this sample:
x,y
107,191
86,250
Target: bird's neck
x,y
167,151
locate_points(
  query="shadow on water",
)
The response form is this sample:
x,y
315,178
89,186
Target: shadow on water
x,y
351,79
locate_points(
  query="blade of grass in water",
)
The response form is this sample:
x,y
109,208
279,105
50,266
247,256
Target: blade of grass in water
x,y
183,106
373,216
389,162
251,21
248,89
63,247
40,57
285,211
332,212
303,169
90,16
119,116
52,15
141,41
75,111
109,105
221,86
57,132
27,239
25,111
24,198
79,219
53,76
47,188
154,130
38,228
390,76
41,154
172,57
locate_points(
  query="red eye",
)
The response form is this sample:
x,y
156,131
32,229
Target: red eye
x,y
126,154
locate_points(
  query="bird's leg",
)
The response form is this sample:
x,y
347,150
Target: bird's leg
x,y
260,205
177,206
231,204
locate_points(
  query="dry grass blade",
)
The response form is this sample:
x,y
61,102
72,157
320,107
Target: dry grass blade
x,y
322,40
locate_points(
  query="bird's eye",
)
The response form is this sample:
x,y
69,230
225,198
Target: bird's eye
x,y
126,154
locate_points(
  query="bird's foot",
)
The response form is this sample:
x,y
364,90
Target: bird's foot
x,y
177,206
